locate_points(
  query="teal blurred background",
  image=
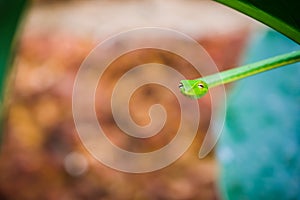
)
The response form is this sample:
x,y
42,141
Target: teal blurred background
x,y
259,147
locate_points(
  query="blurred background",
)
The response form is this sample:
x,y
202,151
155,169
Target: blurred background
x,y
42,156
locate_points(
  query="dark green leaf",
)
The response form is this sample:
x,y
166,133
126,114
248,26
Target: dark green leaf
x,y
282,15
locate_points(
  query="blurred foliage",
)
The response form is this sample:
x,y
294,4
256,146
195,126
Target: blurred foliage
x,y
10,13
259,147
283,16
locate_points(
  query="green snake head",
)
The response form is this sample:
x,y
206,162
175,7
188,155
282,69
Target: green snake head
x,y
193,88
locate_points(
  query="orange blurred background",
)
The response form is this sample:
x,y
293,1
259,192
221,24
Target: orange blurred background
x,y
42,156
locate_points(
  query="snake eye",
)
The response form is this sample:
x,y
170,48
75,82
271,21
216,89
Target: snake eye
x,y
200,85
180,85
